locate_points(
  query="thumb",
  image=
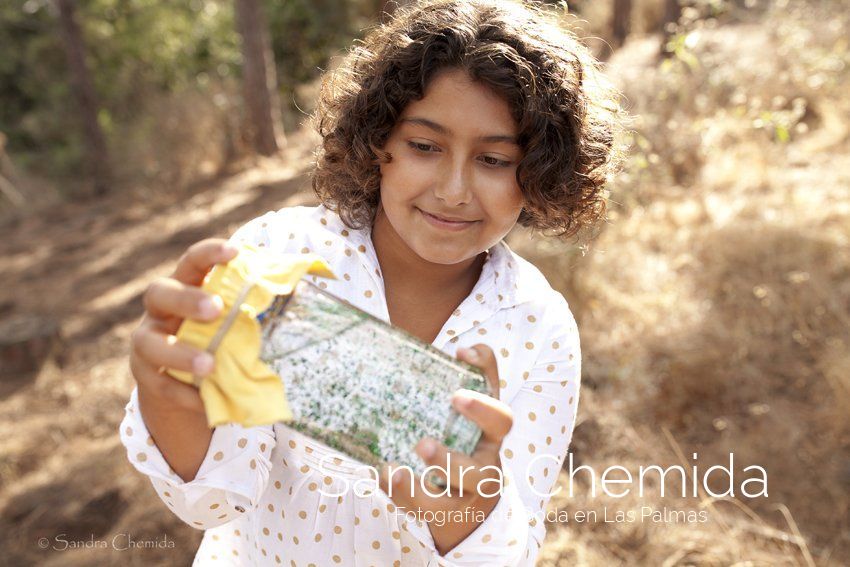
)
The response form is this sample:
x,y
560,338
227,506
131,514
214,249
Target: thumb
x,y
483,357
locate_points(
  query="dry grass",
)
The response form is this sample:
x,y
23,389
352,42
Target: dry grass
x,y
713,309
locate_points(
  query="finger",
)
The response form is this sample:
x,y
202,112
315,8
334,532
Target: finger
x,y
163,388
160,350
167,298
200,257
465,475
408,491
169,325
396,482
494,417
483,357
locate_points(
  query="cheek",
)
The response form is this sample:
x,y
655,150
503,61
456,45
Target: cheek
x,y
401,179
388,178
518,199
505,202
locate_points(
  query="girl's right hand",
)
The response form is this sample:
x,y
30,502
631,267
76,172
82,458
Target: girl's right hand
x,y
168,301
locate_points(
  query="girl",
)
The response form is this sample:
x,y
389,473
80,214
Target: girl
x,y
440,132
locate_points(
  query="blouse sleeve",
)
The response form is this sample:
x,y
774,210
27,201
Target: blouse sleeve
x,y
235,471
544,411
232,477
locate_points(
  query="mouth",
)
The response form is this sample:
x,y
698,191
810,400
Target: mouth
x,y
441,222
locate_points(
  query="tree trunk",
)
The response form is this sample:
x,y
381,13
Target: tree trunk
x,y
259,79
97,156
672,11
621,16
8,179
26,343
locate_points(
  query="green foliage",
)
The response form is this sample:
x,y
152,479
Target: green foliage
x,y
30,58
138,46
304,34
140,53
680,46
134,48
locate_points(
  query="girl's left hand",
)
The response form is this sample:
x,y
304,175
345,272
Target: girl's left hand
x,y
474,481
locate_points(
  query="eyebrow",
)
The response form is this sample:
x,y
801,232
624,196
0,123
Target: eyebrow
x,y
440,129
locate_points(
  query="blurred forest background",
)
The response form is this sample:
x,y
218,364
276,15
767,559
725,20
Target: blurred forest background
x,y
714,305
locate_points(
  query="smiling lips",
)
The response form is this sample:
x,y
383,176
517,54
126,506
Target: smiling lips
x,y
446,223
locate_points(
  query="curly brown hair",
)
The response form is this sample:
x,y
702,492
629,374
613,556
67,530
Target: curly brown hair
x,y
567,115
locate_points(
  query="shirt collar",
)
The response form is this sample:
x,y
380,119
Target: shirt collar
x,y
504,282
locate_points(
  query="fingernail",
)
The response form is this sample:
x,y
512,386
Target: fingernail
x,y
395,478
461,401
229,250
428,449
210,307
203,364
469,354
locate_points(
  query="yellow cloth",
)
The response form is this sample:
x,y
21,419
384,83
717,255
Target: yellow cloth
x,y
243,389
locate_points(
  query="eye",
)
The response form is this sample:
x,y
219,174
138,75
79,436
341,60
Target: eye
x,y
422,147
495,162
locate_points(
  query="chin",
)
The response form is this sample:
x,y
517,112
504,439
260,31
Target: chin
x,y
440,255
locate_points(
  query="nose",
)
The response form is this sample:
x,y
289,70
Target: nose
x,y
454,186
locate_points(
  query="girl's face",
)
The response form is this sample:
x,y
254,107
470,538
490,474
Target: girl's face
x,y
454,156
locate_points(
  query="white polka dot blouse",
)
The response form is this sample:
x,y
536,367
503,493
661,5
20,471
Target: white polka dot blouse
x,y
270,495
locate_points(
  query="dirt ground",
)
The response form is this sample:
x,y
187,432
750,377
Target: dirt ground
x,y
714,309
85,266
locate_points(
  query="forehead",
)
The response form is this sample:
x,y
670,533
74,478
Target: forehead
x,y
452,98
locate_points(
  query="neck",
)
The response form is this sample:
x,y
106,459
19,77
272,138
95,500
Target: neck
x,y
403,269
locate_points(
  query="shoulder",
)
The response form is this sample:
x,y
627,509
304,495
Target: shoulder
x,y
318,230
542,311
532,293
299,224
300,217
